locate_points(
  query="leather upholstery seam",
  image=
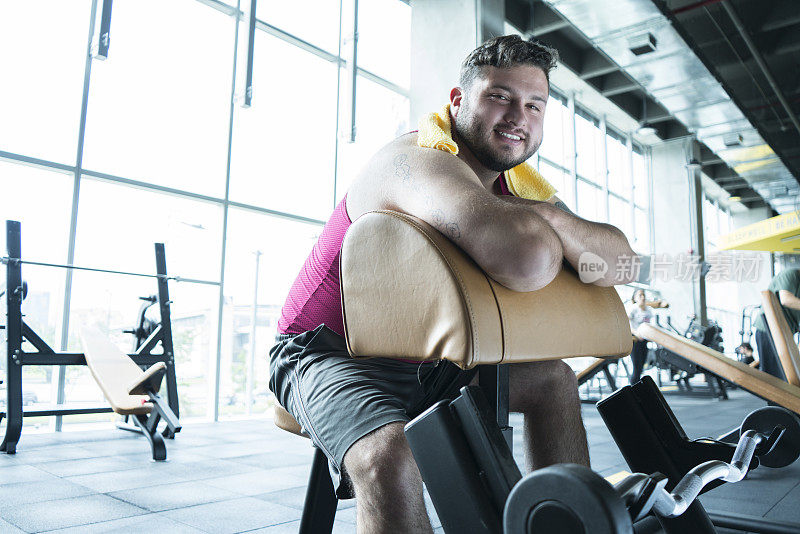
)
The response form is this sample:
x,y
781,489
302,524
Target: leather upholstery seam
x,y
454,270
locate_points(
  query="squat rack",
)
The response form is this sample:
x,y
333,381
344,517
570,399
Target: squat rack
x,y
17,331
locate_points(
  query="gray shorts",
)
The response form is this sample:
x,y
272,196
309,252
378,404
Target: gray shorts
x,y
338,400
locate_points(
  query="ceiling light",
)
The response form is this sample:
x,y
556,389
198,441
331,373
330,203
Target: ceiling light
x,y
790,238
642,44
646,130
734,199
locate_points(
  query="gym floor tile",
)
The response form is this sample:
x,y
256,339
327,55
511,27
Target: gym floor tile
x,y
16,474
122,480
267,460
132,445
232,516
45,490
140,523
257,481
227,451
170,496
61,452
50,515
199,470
788,508
295,498
292,527
86,466
8,528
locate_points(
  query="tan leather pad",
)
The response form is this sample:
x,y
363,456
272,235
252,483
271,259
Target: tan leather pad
x,y
149,379
114,372
758,382
782,338
408,292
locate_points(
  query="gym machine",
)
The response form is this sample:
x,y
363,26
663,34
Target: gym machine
x,y
149,336
475,485
680,369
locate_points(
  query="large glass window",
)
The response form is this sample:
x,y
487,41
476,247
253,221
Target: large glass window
x,y
314,21
642,221
284,145
561,180
619,214
589,149
381,115
42,58
277,250
556,145
117,226
40,200
159,107
384,39
618,165
589,198
641,183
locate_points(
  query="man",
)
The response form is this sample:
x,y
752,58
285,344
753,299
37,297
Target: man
x,y
787,285
745,353
355,410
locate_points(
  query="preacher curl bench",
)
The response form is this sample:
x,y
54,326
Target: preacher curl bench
x,y
409,293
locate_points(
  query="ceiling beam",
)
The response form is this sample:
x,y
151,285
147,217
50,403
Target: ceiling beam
x,y
545,20
616,83
596,64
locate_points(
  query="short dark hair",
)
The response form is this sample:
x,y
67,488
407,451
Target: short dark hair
x,y
505,52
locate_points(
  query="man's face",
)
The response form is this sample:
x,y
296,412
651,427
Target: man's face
x,y
500,117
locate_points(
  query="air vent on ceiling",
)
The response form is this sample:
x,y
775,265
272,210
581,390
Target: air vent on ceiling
x,y
642,44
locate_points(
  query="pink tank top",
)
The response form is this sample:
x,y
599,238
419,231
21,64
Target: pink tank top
x,y
315,298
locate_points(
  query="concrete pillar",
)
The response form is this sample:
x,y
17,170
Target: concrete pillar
x,y
672,207
750,293
443,32
698,237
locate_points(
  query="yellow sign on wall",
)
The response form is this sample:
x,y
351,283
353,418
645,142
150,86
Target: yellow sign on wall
x,y
778,234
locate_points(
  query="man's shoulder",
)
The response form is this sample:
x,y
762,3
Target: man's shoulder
x,y
787,279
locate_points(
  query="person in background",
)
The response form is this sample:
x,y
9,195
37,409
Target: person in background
x,y
787,286
745,353
641,313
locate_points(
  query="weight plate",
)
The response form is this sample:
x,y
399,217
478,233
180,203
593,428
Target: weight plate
x,y
764,420
567,499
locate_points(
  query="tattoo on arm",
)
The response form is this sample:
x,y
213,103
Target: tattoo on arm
x,y
402,170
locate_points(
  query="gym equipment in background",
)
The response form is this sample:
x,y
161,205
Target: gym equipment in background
x,y
18,331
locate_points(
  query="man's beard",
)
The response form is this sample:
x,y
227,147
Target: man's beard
x,y
477,141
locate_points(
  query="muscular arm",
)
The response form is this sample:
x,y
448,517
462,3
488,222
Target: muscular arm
x,y
789,299
578,235
512,244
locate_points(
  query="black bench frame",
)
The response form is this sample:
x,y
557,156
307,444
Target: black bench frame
x,y
319,509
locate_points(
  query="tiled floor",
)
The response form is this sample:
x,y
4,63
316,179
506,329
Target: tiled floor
x,y
248,476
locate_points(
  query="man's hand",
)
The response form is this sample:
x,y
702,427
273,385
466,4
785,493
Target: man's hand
x,y
578,236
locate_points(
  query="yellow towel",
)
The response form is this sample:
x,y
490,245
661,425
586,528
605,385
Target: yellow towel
x,y
523,180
